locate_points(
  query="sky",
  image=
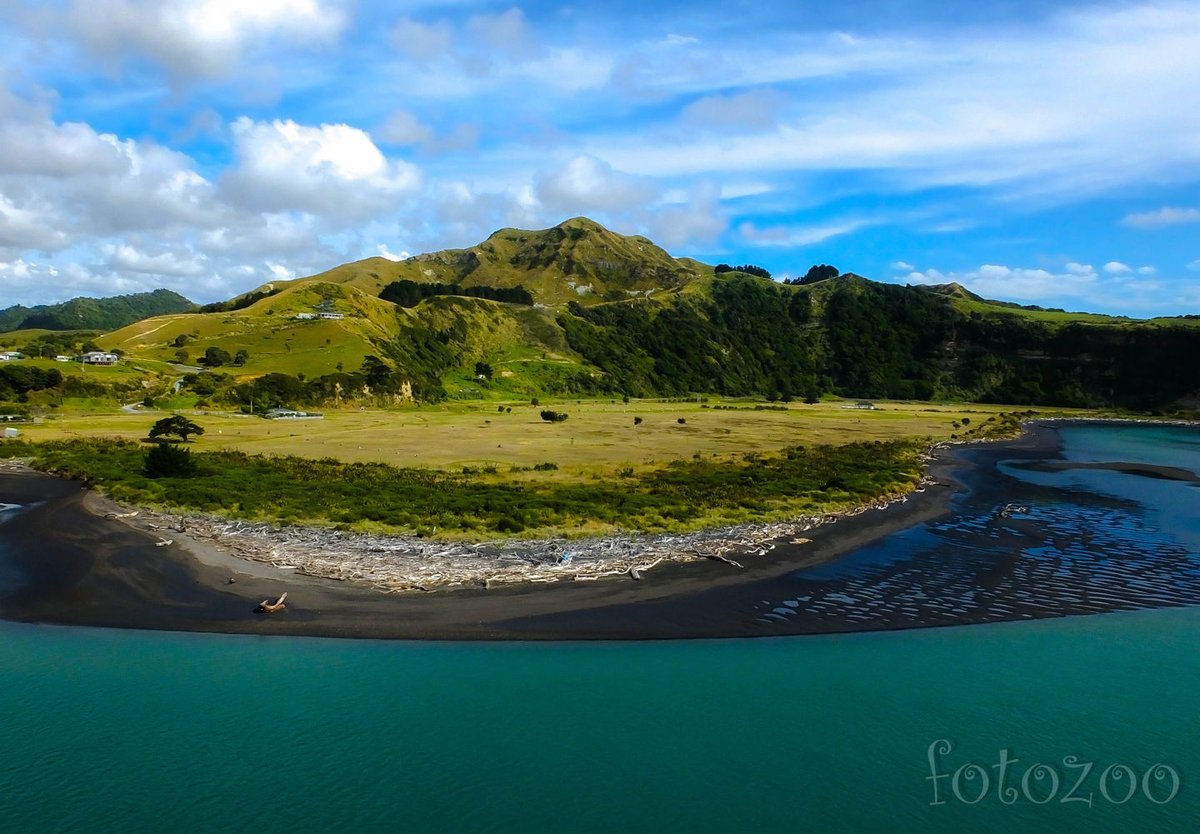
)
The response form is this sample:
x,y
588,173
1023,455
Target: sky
x,y
1039,152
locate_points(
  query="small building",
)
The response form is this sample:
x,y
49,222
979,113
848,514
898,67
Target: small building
x,y
61,358
9,432
306,316
863,405
99,357
10,355
333,316
290,414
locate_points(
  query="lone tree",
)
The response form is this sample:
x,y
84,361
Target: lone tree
x,y
177,425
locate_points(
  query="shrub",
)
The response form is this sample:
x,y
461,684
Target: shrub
x,y
681,421
637,421
553,416
167,461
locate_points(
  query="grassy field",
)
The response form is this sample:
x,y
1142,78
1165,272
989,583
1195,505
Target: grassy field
x,y
478,470
598,436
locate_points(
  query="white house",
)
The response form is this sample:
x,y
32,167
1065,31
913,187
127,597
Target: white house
x,y
306,316
332,316
99,357
10,355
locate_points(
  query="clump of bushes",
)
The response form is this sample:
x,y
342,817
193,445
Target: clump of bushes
x,y
168,461
553,416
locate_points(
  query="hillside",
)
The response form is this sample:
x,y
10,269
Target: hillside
x,y
577,260
94,313
603,314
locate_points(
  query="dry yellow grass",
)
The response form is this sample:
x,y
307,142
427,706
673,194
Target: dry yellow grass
x,y
598,434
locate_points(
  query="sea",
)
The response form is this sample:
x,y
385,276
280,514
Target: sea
x,y
1060,722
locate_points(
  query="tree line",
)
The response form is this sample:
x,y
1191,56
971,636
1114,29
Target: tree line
x,y
411,293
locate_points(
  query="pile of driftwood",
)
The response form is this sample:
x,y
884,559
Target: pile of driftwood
x,y
395,564
398,563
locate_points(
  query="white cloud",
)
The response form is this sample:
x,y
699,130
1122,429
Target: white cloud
x,y
126,258
1146,270
403,128
792,236
190,38
1165,216
1010,110
586,184
423,42
903,266
1004,282
333,170
30,227
1117,268
384,252
505,33
753,109
696,219
281,272
1073,268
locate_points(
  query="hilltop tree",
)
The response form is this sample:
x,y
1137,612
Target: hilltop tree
x,y
177,425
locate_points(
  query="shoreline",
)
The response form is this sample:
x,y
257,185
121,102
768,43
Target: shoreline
x,y
80,568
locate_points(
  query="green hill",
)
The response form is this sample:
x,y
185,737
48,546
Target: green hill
x,y
94,313
615,315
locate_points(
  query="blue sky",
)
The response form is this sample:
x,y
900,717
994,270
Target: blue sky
x,y
1037,152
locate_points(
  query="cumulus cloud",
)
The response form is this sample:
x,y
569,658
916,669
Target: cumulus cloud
x,y
586,184
903,266
698,218
999,281
384,252
1165,216
126,258
1117,268
333,170
190,38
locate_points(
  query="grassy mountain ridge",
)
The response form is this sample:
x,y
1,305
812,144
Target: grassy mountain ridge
x,y
577,260
618,315
94,313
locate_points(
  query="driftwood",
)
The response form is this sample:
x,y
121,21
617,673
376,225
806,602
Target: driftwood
x,y
268,607
121,515
720,557
406,564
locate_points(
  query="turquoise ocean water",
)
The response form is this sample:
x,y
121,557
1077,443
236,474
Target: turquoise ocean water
x,y
131,731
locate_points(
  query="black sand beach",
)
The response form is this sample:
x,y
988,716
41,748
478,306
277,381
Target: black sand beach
x,y
62,562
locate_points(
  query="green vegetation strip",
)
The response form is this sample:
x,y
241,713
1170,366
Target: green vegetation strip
x,y
680,496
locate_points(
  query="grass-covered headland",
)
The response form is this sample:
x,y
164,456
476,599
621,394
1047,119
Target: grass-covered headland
x,y
685,494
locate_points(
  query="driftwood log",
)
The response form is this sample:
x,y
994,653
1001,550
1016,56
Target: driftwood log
x,y
268,607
